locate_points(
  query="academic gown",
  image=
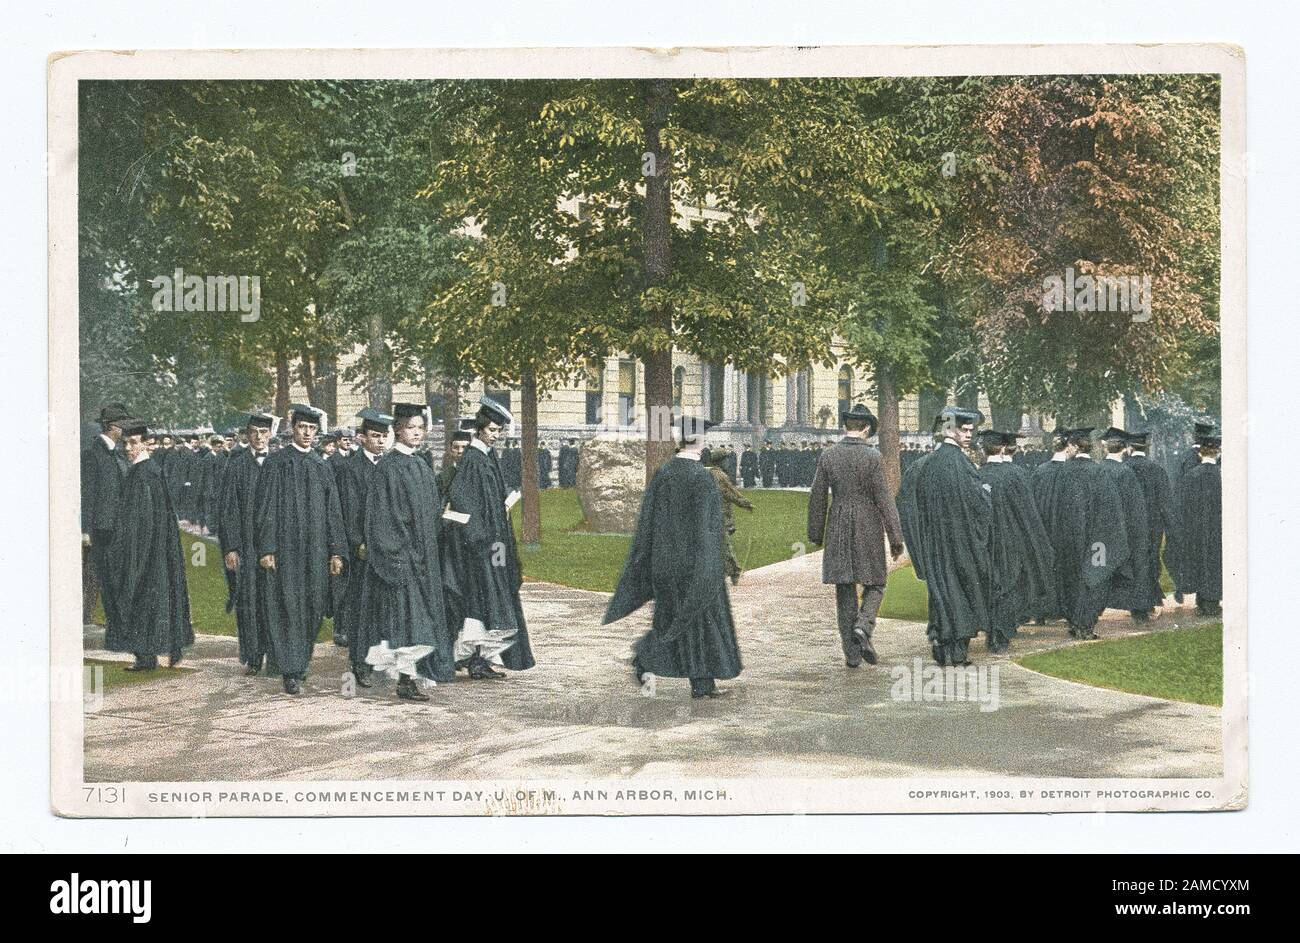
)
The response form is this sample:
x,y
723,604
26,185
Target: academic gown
x,y
1022,559
676,560
1045,482
353,476
568,466
236,531
481,565
147,568
1089,538
748,468
1161,521
1199,567
1129,586
950,520
299,521
402,592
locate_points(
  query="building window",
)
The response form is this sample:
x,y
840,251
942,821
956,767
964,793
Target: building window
x,y
626,392
595,393
846,388
679,387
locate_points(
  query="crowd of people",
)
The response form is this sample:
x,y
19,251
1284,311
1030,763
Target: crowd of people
x,y
418,567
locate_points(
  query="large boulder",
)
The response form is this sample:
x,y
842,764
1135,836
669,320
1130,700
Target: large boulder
x,y
611,481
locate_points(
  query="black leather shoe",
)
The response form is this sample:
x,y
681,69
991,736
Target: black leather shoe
x,y
340,640
291,685
638,671
712,693
362,675
868,650
408,690
483,672
174,659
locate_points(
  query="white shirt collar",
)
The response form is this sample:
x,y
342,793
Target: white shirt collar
x,y
689,456
1210,461
1137,455
403,448
949,441
479,444
142,457
1115,456
299,448
1060,457
108,442
374,459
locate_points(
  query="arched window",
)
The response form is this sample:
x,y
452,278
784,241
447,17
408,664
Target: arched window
x,y
679,387
846,387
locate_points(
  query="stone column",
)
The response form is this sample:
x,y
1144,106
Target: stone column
x,y
791,399
742,397
706,393
728,393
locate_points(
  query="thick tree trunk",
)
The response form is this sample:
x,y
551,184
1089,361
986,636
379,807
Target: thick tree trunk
x,y
887,414
657,255
450,413
327,386
532,511
308,377
381,381
282,384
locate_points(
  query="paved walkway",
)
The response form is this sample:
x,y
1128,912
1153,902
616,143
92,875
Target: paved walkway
x,y
796,711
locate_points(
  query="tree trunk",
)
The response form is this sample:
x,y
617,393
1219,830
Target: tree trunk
x,y
657,255
327,385
532,523
309,379
887,414
450,413
282,384
381,382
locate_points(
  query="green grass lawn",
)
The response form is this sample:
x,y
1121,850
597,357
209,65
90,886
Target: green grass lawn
x,y
1179,664
116,677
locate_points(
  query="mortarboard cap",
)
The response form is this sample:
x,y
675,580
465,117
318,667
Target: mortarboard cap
x,y
302,411
994,437
957,416
1139,439
113,413
498,413
375,419
1113,434
131,426
404,410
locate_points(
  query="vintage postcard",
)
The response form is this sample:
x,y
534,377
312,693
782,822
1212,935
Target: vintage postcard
x,y
648,431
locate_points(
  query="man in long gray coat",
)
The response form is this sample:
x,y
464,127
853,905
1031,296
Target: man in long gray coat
x,y
861,514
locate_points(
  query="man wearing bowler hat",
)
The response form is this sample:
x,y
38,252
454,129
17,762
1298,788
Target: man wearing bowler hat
x,y
861,515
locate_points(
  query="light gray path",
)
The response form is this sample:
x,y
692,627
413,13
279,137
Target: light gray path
x,y
796,711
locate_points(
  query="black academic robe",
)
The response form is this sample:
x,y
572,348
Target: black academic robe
x,y
1130,586
353,476
402,593
236,532
102,473
1045,482
1089,539
147,570
543,467
676,560
214,470
951,526
1022,560
510,464
176,468
1199,566
568,466
767,466
1161,521
481,566
300,522
748,468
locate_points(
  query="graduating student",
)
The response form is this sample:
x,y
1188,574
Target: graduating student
x,y
1160,519
543,466
860,516
749,466
1199,558
236,531
948,516
402,593
353,476
147,566
767,464
213,476
301,543
1045,483
676,560
460,440
1130,584
1088,534
731,497
1022,560
569,464
103,467
484,574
